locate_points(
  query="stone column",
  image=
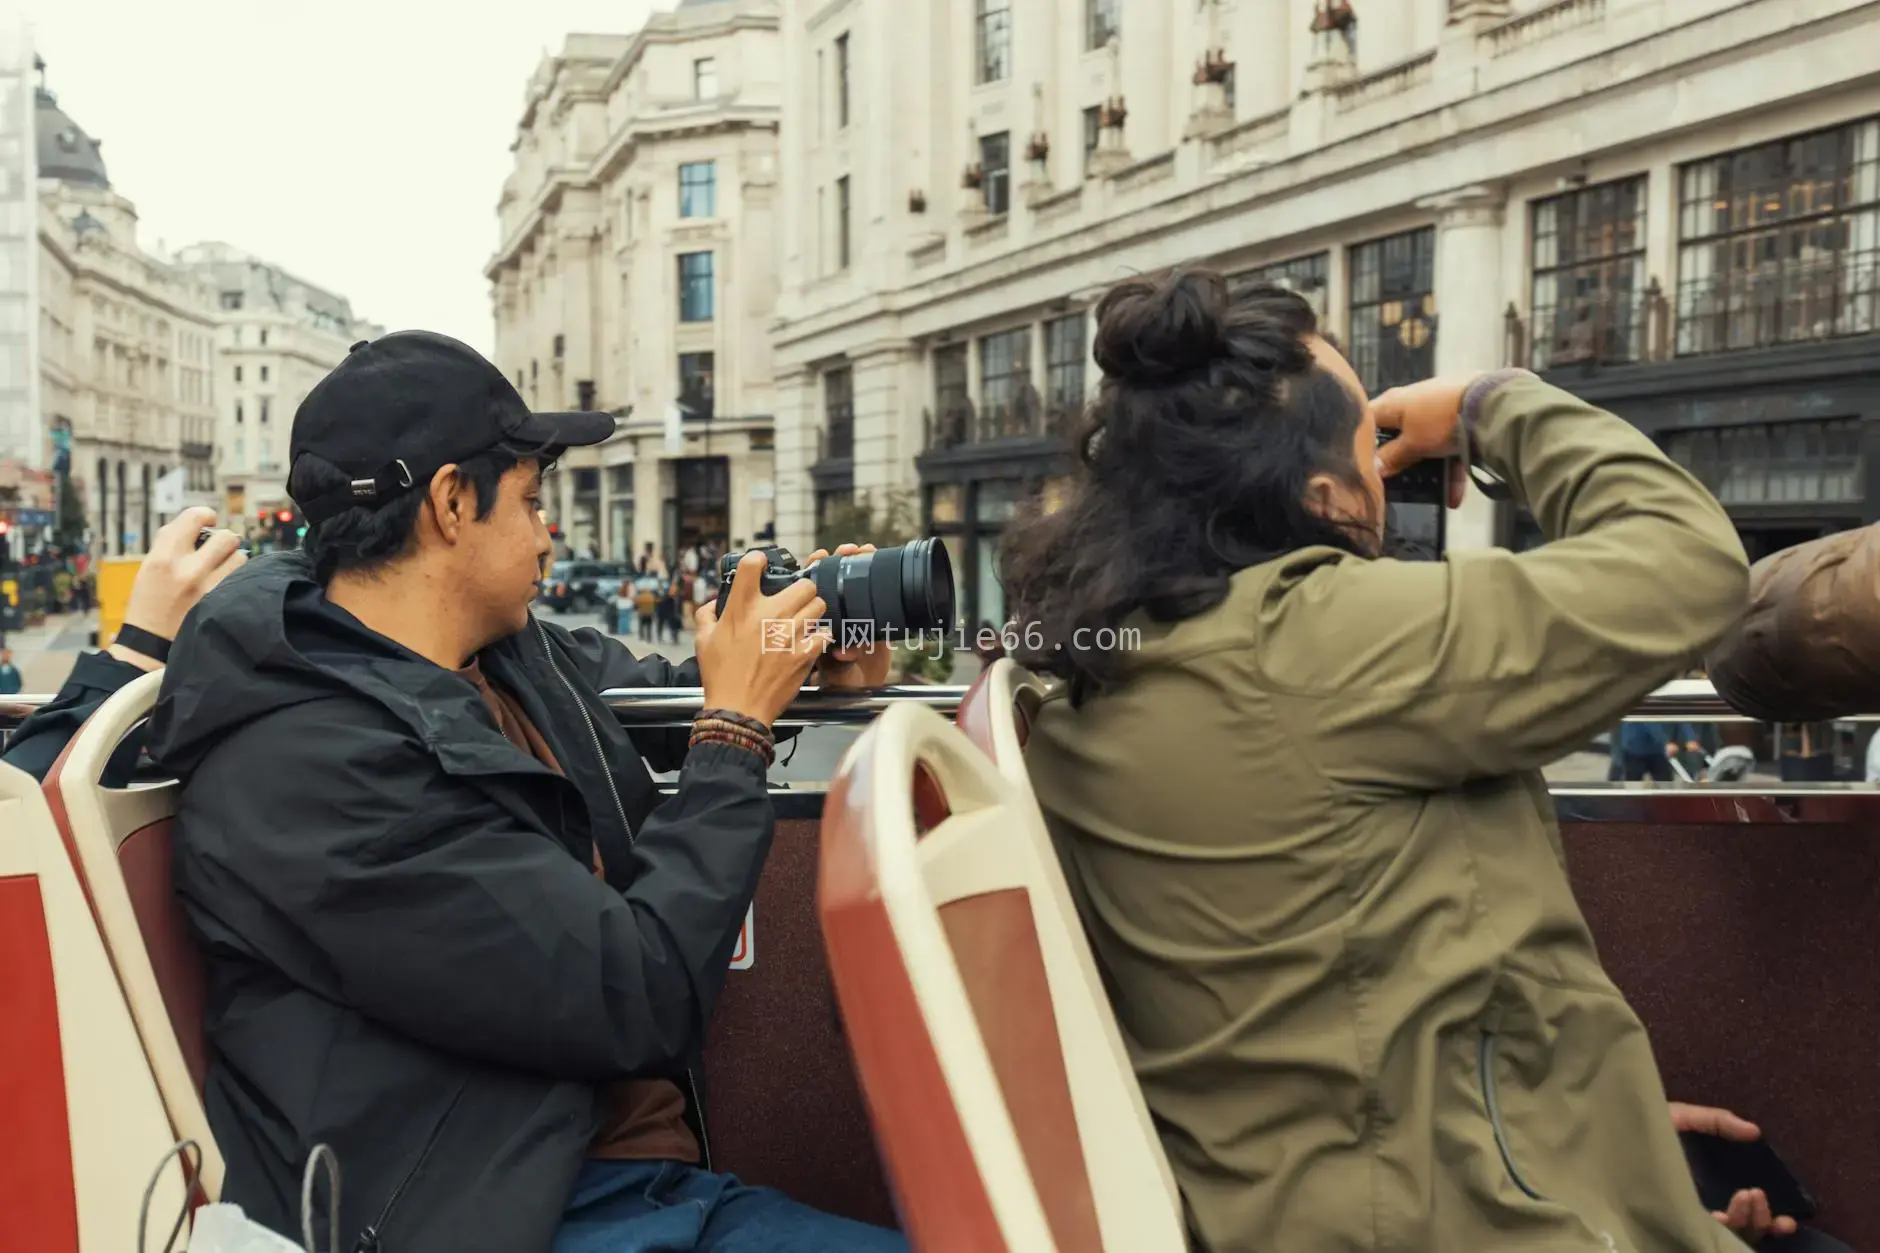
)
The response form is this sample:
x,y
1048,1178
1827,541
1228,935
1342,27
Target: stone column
x,y
649,497
884,456
563,514
797,421
604,539
1470,297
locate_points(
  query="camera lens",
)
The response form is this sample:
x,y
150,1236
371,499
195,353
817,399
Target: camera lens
x,y
901,590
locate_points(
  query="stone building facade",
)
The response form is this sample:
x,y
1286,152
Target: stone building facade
x,y
276,336
125,343
636,272
1672,205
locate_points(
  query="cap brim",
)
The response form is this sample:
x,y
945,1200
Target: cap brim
x,y
564,430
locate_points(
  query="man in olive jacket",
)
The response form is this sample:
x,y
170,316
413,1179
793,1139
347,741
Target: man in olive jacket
x,y
1309,834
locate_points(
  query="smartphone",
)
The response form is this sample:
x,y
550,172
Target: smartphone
x,y
1722,1168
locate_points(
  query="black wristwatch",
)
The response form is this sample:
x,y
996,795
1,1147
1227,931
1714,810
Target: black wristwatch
x,y
145,642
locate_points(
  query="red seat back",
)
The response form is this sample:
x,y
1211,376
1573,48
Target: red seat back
x,y
120,841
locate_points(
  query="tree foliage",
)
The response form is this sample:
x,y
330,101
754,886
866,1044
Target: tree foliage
x,y
891,519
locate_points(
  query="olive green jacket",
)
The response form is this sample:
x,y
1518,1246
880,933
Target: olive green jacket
x,y
1321,872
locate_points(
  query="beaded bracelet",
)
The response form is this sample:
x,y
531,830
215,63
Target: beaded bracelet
x,y
740,734
758,748
736,718
743,726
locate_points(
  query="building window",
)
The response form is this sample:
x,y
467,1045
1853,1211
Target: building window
x,y
1589,275
842,222
1775,463
838,414
1781,242
952,398
263,403
1305,275
695,287
238,413
264,337
264,374
705,78
695,384
1064,357
1093,135
995,165
992,29
698,189
842,81
1393,309
1004,377
231,300
238,374
833,505
1102,20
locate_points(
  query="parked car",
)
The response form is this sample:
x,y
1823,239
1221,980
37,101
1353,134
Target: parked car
x,y
582,585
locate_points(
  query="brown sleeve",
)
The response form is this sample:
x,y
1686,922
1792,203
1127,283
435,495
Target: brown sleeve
x,y
1808,650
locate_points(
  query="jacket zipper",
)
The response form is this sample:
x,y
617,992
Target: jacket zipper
x,y
1485,1050
620,811
594,736
371,1240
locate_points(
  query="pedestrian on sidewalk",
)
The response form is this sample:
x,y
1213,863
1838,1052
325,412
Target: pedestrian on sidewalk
x,y
10,680
623,607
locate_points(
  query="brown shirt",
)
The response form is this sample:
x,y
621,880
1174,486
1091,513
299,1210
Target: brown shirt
x,y
642,1119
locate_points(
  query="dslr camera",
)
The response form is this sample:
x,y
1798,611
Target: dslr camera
x,y
904,590
1425,483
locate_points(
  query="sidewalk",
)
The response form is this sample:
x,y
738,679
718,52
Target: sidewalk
x,y
45,653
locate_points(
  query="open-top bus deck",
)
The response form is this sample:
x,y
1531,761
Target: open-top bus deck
x,y
1739,920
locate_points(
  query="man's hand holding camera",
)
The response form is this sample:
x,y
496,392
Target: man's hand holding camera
x,y
854,663
754,659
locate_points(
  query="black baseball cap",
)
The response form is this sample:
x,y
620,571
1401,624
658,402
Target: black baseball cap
x,y
402,407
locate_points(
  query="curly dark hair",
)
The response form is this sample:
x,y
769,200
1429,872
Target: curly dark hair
x,y
1193,463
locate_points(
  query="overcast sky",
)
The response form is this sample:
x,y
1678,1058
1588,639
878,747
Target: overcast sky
x,y
359,143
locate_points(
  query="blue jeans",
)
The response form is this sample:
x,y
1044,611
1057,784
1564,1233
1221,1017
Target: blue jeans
x,y
667,1207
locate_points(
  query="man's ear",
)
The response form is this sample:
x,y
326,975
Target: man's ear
x,y
447,503
1322,496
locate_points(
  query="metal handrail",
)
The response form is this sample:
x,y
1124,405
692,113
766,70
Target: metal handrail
x,y
1685,700
677,706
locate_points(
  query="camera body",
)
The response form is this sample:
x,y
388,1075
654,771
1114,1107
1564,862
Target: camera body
x,y
1425,483
780,570
905,590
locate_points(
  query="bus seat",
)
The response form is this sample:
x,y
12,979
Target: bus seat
x,y
85,1121
996,715
1006,1122
997,711
120,839
782,1103
1763,927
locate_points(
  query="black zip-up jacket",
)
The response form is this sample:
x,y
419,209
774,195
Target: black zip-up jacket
x,y
410,958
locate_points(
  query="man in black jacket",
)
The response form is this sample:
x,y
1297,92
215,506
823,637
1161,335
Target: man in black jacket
x,y
451,930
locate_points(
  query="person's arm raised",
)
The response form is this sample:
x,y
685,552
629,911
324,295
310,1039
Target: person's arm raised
x,y
1494,662
170,581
